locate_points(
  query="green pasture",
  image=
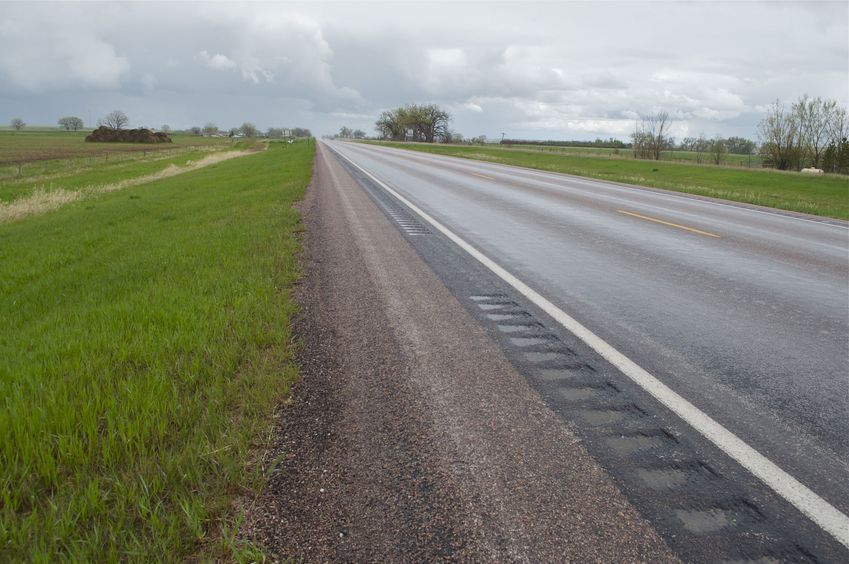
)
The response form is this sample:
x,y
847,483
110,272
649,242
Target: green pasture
x,y
144,343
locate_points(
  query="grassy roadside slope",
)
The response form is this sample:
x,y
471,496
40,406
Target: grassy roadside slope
x,y
12,189
822,195
144,342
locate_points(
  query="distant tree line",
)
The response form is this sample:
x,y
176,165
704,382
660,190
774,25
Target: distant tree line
x,y
422,123
734,145
348,133
250,131
812,132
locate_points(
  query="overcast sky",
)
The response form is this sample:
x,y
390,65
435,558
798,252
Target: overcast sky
x,y
565,70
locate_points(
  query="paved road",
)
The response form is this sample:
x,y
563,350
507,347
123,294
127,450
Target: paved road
x,y
412,438
743,312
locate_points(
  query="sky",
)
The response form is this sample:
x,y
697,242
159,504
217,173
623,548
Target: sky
x,y
554,70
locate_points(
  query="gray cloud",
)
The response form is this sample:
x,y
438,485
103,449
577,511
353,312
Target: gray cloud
x,y
564,70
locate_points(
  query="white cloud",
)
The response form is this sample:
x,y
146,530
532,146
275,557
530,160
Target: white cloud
x,y
217,61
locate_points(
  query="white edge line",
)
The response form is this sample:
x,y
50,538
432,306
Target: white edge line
x,y
825,515
551,176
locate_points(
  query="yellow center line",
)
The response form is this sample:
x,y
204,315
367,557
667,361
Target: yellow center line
x,y
684,227
481,176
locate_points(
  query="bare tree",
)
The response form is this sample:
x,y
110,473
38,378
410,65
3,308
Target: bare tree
x,y
116,119
839,128
815,117
836,155
165,128
651,136
70,123
657,126
17,123
779,134
210,129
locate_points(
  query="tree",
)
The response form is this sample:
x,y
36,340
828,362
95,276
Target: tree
x,y
17,123
274,133
718,150
165,128
427,123
116,119
838,128
651,136
814,117
740,145
249,130
210,129
195,130
390,125
837,152
779,133
70,123
432,121
345,132
836,157
358,134
301,132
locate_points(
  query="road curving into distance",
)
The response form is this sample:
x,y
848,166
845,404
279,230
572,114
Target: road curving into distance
x,y
741,313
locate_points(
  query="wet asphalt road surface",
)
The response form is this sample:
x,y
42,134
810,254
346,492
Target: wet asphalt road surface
x,y
489,432
749,320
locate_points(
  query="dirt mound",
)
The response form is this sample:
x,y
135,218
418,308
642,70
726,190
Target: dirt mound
x,y
105,134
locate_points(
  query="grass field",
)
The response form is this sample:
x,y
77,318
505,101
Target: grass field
x,y
826,195
728,159
30,146
144,342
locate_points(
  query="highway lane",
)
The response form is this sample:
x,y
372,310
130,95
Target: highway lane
x,y
745,313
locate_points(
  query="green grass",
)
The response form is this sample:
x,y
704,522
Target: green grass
x,y
826,195
728,159
144,342
74,176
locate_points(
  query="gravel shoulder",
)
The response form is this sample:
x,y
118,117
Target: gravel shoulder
x,y
411,437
